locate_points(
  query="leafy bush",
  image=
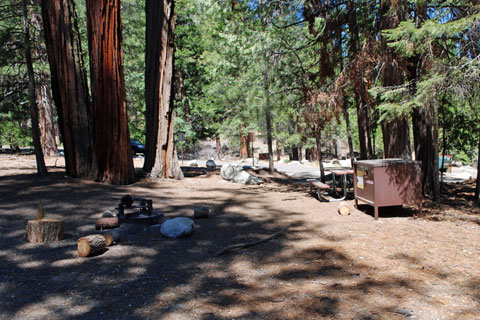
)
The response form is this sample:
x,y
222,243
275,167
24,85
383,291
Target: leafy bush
x,y
14,134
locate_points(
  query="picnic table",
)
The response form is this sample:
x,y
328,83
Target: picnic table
x,y
341,174
339,177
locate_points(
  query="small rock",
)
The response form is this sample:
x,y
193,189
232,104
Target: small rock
x,y
177,228
211,164
404,312
200,213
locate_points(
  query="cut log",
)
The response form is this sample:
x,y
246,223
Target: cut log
x,y
90,245
45,230
111,237
344,208
106,223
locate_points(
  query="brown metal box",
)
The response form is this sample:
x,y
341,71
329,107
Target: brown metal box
x,y
388,182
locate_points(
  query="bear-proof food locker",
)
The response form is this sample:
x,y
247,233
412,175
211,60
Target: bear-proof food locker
x,y
388,182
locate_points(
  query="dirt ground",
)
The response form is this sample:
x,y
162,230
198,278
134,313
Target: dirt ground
x,y
324,266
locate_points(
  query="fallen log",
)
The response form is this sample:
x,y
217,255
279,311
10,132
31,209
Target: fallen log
x,y
90,245
45,230
344,208
249,244
107,223
111,237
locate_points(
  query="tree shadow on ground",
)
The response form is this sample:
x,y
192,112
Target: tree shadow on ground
x,y
389,212
150,277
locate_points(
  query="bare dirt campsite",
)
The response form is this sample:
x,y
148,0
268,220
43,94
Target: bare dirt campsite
x,y
320,265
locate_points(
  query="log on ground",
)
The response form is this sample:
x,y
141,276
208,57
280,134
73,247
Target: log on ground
x,y
107,223
344,208
90,245
111,237
45,230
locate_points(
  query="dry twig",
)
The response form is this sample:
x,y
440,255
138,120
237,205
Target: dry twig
x,y
249,244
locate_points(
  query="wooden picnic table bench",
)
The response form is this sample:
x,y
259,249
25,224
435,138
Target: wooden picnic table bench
x,y
320,188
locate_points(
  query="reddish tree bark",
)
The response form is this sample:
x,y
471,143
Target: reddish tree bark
x,y
111,136
161,159
396,133
69,85
424,122
243,146
357,75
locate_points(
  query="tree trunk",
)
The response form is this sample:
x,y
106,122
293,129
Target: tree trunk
x,y
349,132
436,182
279,152
218,146
318,141
396,133
41,168
294,153
359,85
69,85
477,187
46,118
161,159
243,146
425,147
424,141
249,146
46,112
396,139
112,147
268,116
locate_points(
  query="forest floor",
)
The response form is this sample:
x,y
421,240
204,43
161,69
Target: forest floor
x,y
324,266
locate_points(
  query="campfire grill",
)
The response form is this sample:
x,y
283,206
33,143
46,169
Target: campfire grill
x,y
141,213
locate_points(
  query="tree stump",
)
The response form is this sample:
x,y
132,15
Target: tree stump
x,y
111,237
344,208
90,245
45,230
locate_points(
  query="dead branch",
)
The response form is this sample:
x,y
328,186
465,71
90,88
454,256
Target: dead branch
x,y
249,244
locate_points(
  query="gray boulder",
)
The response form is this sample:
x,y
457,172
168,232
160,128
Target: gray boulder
x,y
244,177
235,173
177,228
229,171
